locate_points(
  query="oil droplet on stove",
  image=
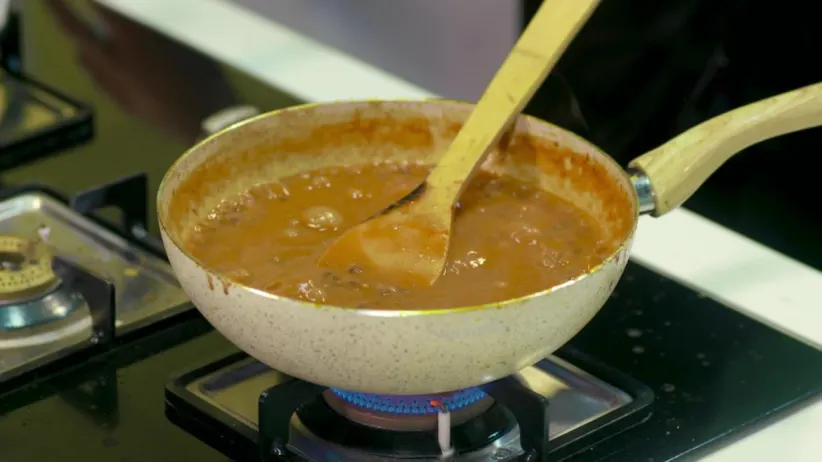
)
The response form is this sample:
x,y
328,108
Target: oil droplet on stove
x,y
668,388
634,333
638,349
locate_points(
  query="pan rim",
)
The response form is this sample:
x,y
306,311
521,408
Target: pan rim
x,y
379,312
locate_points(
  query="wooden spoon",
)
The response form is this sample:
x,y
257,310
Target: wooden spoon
x,y
407,244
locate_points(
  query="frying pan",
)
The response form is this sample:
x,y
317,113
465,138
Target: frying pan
x,y
434,351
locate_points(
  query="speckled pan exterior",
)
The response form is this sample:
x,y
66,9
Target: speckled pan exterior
x,y
376,351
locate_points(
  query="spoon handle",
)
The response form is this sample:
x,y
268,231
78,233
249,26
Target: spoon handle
x,y
546,37
679,167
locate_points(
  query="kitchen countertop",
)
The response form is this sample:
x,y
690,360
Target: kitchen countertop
x,y
714,260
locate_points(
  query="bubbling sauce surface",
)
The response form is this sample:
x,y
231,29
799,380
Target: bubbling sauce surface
x,y
509,239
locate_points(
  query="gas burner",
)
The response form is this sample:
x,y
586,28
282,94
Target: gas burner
x,y
31,293
407,413
60,266
331,428
25,269
549,411
412,404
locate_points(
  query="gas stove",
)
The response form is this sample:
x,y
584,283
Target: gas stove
x,y
102,357
68,282
553,407
92,316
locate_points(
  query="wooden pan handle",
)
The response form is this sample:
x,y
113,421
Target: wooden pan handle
x,y
679,167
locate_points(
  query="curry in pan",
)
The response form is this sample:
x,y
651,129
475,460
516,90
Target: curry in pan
x,y
510,238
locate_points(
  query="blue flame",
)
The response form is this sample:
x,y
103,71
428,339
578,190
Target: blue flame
x,y
413,405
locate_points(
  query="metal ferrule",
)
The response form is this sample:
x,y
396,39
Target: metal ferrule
x,y
644,191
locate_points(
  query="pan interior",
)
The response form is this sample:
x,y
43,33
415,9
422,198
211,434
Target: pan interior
x,y
304,138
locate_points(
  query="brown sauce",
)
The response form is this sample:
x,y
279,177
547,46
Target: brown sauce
x,y
509,239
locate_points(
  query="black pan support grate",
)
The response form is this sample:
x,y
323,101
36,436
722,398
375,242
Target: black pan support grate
x,y
276,406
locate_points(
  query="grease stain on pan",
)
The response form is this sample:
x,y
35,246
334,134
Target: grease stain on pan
x,y
226,285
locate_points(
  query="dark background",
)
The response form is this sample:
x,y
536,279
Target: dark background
x,y
642,71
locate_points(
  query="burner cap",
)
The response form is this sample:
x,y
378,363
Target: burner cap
x,y
412,405
25,270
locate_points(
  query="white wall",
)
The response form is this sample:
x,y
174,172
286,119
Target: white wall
x,y
451,47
